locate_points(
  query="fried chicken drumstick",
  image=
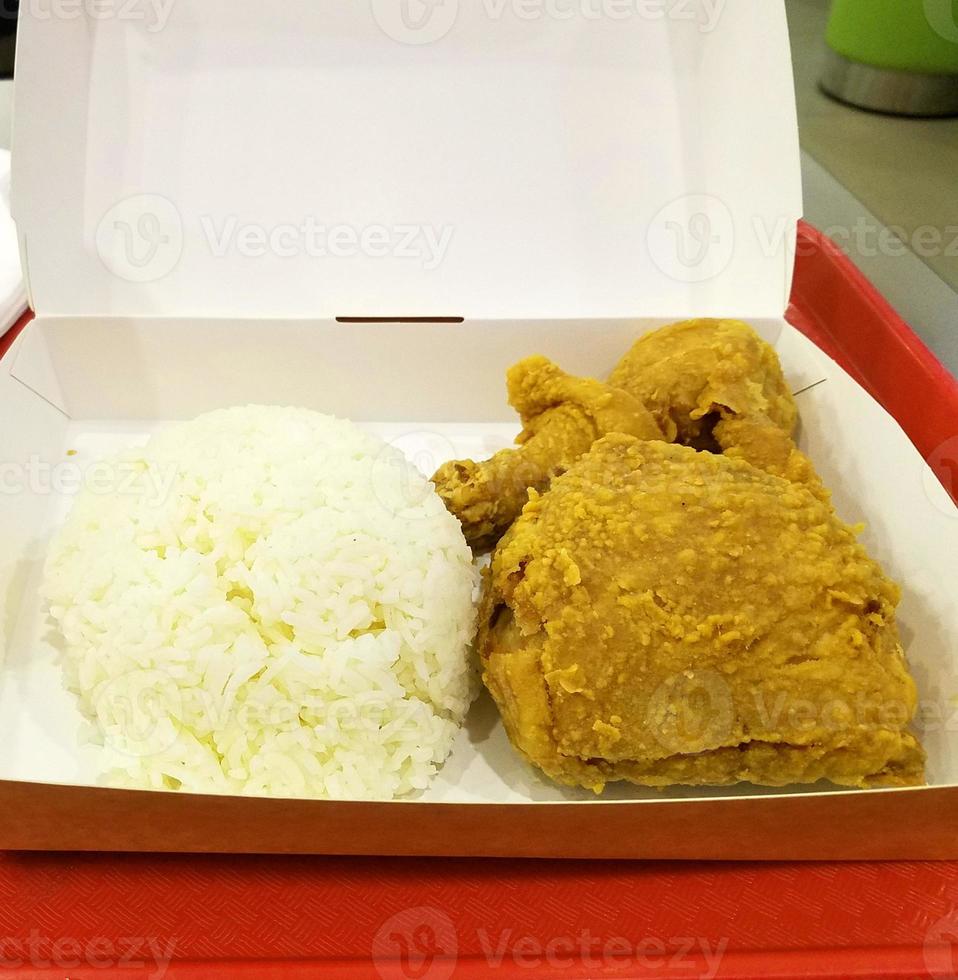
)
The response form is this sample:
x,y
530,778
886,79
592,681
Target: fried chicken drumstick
x,y
668,616
710,384
562,417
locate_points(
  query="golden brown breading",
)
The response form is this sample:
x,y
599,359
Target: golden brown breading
x,y
669,616
720,387
562,416
687,373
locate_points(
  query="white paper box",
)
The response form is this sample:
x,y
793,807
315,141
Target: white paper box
x,y
520,184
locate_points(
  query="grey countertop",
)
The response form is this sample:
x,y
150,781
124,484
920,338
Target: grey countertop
x,y
884,188
863,174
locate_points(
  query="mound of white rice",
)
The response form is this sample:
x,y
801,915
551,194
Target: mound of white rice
x,y
269,601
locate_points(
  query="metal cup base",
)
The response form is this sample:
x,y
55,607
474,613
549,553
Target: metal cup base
x,y
901,93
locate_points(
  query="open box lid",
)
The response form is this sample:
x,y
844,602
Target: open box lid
x,y
487,159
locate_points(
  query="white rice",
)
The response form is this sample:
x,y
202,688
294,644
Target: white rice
x,y
279,604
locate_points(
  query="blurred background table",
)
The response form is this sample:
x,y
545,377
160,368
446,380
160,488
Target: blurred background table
x,y
865,173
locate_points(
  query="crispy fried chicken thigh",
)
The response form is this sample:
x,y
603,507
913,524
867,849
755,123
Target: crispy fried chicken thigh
x,y
666,616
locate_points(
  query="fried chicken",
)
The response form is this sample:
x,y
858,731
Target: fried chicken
x,y
711,384
665,616
719,387
562,416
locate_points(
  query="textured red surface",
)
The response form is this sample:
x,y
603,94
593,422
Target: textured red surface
x,y
258,917
838,308
314,908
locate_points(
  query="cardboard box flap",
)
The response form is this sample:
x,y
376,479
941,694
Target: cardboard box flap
x,y
479,159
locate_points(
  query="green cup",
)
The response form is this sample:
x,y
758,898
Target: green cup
x,y
898,56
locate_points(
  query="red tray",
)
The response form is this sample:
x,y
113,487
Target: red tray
x,y
87,916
